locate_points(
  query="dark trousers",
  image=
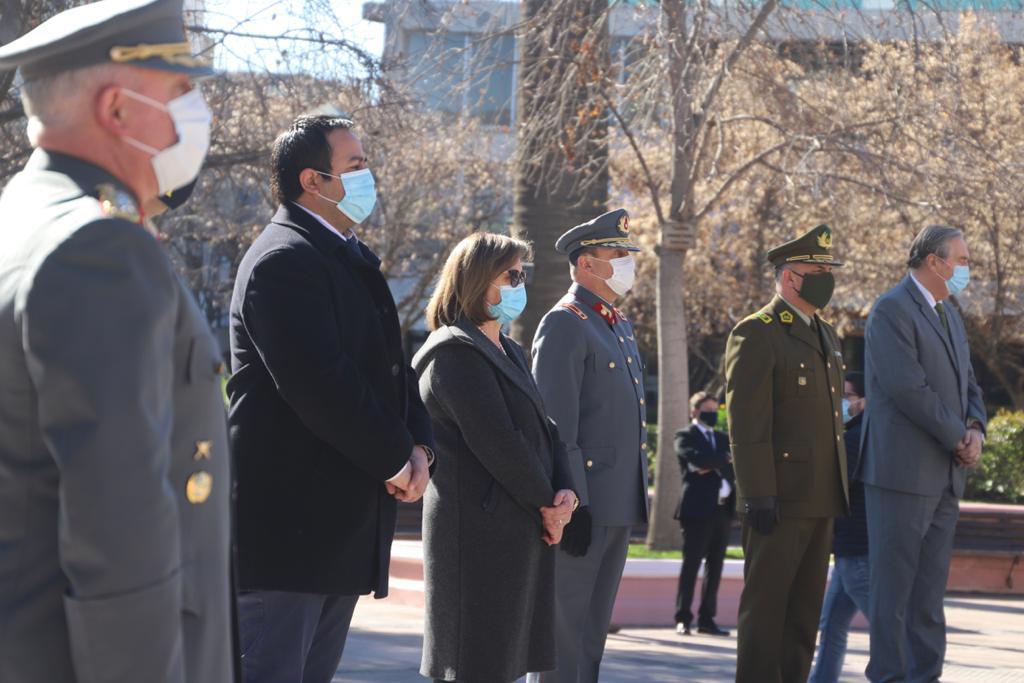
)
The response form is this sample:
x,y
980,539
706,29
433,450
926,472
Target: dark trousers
x,y
784,575
911,547
704,540
293,637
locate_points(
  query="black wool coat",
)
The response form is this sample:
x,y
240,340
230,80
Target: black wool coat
x,y
324,409
490,578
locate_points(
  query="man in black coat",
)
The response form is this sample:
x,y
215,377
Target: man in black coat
x,y
705,512
326,421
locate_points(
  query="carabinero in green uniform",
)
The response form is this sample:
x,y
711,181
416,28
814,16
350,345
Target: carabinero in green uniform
x,y
784,379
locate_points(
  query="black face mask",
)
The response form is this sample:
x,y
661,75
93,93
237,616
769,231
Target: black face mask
x,y
709,417
817,288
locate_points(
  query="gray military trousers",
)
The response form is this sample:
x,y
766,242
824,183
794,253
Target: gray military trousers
x,y
585,595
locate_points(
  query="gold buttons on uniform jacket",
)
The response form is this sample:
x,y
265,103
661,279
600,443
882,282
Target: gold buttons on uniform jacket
x,y
622,340
802,365
590,463
837,413
785,455
837,437
643,423
629,359
641,401
636,381
643,447
611,365
198,487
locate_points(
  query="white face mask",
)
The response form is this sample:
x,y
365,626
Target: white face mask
x,y
623,274
179,164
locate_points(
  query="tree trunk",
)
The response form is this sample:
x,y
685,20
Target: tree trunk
x,y
676,237
551,189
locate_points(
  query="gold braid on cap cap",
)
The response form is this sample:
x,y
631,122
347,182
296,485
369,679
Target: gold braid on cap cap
x,y
607,240
172,53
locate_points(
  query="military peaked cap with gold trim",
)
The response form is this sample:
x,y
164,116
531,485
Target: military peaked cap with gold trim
x,y
607,230
145,33
814,246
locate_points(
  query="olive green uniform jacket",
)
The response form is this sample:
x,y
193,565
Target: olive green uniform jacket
x,y
784,399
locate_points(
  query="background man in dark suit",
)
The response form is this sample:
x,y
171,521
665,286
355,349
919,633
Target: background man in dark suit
x,y
326,419
114,470
705,512
923,427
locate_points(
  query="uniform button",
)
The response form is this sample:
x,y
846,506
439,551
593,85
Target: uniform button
x,y
622,340
833,390
802,365
611,365
785,455
844,366
641,402
629,360
636,381
828,364
590,463
394,370
643,423
837,413
837,437
643,447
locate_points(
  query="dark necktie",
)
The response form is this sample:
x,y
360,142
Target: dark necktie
x,y
941,310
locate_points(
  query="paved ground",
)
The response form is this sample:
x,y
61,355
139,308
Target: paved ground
x,y
986,643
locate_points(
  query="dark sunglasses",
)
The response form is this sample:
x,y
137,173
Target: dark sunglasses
x,y
516,277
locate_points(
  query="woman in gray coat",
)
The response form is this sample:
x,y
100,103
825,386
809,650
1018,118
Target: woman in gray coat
x,y
502,491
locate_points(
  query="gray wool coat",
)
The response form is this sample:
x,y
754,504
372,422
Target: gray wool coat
x,y
490,578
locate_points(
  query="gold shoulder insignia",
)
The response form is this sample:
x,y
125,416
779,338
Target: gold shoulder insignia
x,y
575,309
764,317
785,317
117,203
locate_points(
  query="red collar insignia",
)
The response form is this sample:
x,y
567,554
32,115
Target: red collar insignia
x,y
609,313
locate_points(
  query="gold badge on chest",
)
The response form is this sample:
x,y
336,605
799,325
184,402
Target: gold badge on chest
x,y
198,487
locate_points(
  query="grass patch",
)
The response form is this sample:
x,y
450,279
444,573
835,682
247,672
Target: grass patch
x,y
641,551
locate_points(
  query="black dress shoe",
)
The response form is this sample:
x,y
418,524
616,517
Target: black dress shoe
x,y
683,629
711,628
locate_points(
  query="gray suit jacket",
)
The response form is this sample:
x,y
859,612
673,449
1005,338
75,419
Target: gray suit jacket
x,y
114,470
588,369
921,394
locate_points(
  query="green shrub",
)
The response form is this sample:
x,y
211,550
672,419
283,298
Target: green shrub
x,y
999,476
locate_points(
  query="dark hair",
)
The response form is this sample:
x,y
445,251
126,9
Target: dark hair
x,y
700,397
582,251
857,380
932,240
302,146
471,267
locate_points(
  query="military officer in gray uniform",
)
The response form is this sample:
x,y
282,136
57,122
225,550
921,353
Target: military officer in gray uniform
x,y
587,365
114,470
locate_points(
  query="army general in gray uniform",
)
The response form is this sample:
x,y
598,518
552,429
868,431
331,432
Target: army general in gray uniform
x,y
587,365
114,471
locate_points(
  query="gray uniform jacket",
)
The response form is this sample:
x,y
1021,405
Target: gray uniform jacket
x,y
588,369
114,470
921,390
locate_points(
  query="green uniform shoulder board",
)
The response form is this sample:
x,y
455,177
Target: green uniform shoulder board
x,y
575,309
764,317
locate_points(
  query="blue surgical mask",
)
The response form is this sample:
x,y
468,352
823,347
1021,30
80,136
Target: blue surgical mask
x,y
846,411
360,194
513,301
959,281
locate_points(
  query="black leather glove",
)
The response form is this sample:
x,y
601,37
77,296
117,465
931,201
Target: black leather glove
x,y
576,535
762,514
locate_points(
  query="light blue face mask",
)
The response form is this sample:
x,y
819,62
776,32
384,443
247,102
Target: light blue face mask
x,y
959,281
846,411
513,301
360,194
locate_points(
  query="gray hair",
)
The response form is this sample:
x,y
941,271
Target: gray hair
x,y
932,240
59,100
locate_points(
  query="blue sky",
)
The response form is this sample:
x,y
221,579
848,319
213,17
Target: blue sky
x,y
274,17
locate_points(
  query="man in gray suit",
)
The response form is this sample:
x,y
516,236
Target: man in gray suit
x,y
923,428
114,469
587,365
